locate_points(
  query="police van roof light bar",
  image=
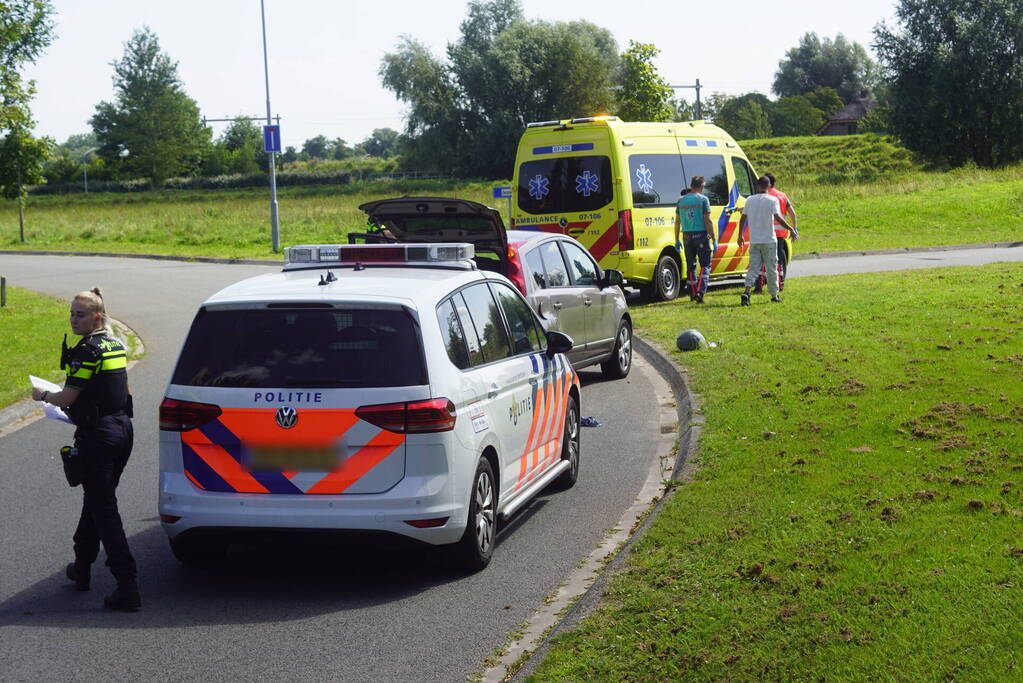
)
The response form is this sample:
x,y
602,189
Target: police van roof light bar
x,y
314,255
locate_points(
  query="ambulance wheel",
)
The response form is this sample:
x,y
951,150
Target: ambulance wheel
x,y
193,550
476,547
570,446
667,280
619,363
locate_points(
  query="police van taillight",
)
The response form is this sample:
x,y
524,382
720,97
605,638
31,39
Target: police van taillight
x,y
413,417
182,416
625,240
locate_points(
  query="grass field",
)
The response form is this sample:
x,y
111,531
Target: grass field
x,y
858,507
852,193
33,326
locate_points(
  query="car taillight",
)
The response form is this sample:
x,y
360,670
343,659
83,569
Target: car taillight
x,y
181,416
515,273
414,417
625,242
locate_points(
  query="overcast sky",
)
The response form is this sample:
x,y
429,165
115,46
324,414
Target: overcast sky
x,y
324,54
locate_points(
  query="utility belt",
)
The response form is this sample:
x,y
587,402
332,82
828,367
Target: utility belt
x,y
89,415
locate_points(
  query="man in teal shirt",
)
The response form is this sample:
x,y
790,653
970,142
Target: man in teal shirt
x,y
692,219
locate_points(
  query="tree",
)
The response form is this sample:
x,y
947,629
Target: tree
x,y
243,142
153,128
316,147
826,99
644,96
955,73
382,143
817,63
466,115
745,117
795,115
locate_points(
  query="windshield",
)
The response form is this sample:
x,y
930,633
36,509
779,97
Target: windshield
x,y
568,184
302,347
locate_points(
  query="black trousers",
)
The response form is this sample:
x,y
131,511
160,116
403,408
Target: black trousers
x,y
104,450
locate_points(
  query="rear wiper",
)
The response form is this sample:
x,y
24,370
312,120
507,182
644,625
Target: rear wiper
x,y
320,382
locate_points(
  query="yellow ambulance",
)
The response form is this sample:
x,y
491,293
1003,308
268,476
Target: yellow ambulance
x,y
613,185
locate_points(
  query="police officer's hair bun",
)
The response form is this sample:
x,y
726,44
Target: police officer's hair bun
x,y
95,290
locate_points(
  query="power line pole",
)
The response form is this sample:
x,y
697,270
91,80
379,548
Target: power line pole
x,y
275,228
697,86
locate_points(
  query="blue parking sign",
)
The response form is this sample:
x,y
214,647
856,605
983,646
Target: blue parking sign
x,y
502,192
271,138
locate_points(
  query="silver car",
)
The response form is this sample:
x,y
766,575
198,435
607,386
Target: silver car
x,y
559,278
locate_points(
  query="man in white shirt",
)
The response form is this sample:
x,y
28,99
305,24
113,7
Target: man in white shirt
x,y
760,213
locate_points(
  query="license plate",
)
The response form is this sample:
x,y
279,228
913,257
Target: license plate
x,y
291,459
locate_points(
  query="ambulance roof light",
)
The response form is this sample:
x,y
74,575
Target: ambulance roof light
x,y
591,119
541,124
458,254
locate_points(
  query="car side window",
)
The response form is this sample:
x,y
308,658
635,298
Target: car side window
x,y
584,270
521,324
554,265
534,263
743,176
487,320
454,339
469,330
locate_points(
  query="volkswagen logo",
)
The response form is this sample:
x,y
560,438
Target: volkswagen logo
x,y
286,417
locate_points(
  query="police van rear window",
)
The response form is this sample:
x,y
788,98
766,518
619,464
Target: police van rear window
x,y
566,184
302,347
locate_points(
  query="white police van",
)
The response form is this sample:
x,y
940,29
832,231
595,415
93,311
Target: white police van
x,y
392,390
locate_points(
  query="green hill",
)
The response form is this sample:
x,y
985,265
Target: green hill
x,y
831,159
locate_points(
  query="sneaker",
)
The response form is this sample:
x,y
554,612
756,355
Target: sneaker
x,y
125,597
82,579
699,298
745,298
775,299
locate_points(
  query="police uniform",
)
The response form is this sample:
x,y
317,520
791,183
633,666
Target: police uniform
x,y
97,367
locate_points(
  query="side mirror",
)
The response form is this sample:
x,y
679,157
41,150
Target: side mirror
x,y
558,342
613,278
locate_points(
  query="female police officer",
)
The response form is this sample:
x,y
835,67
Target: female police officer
x,y
95,397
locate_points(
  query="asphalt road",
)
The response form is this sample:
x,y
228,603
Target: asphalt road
x,y
271,612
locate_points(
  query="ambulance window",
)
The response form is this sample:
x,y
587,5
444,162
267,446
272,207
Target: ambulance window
x,y
743,176
451,330
554,264
521,322
657,179
712,168
302,348
565,184
487,320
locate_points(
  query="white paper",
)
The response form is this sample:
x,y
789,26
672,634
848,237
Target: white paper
x,y
51,411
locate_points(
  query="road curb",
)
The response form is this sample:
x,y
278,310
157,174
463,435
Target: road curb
x,y
154,257
906,250
688,426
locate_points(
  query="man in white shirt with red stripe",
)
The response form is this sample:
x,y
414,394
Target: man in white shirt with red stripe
x,y
760,213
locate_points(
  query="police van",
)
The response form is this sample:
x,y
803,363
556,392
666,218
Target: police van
x,y
394,391
613,185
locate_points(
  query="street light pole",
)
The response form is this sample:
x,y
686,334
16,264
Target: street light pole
x,y
699,113
85,166
275,230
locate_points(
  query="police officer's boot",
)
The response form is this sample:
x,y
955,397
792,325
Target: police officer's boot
x,y
81,575
125,598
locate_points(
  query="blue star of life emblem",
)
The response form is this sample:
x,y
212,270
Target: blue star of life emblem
x,y
539,187
587,184
644,178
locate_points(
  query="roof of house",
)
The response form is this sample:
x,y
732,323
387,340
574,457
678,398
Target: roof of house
x,y
854,111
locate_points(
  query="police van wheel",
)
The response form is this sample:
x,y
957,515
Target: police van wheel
x,y
666,279
619,363
476,547
198,551
570,446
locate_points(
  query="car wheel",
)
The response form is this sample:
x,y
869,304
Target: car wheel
x,y
570,446
666,279
198,550
476,547
620,362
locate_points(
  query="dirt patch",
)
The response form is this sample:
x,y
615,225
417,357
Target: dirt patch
x,y
861,449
